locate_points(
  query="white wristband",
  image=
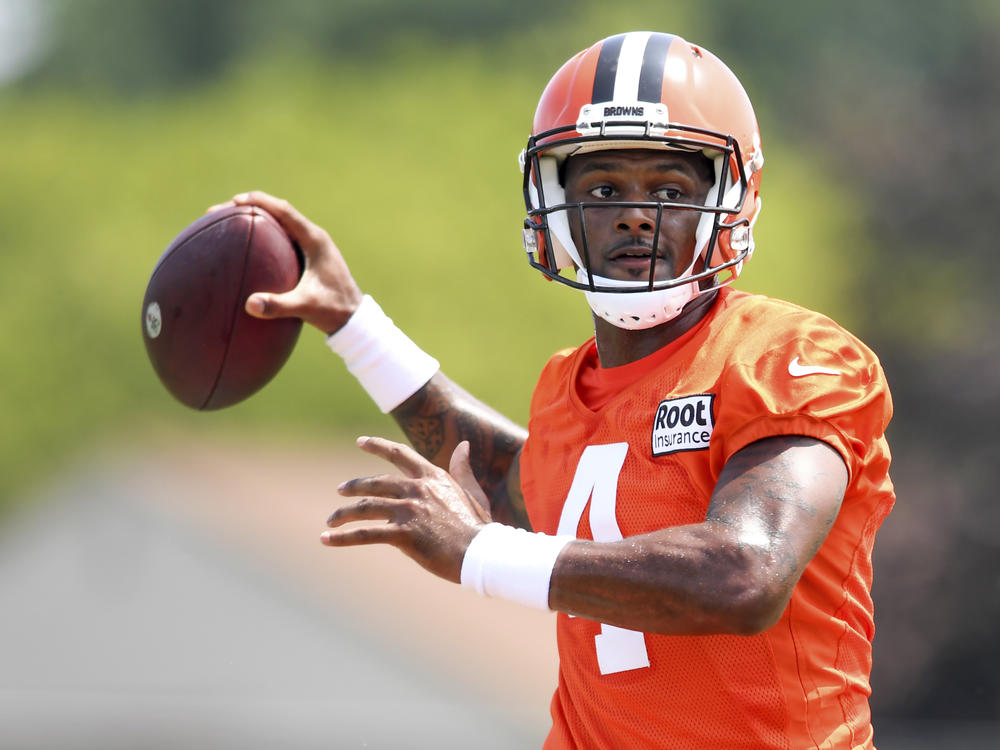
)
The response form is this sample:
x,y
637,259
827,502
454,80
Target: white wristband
x,y
512,564
389,366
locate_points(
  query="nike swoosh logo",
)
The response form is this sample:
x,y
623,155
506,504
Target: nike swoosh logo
x,y
797,371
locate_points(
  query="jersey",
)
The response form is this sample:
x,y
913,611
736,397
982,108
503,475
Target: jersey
x,y
646,454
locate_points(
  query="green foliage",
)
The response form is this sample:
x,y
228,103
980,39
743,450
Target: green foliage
x,y
138,48
412,168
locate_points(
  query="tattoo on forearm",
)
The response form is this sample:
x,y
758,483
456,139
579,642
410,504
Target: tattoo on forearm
x,y
441,415
422,418
425,435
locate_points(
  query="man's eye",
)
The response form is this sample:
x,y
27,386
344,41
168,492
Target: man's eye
x,y
669,194
603,191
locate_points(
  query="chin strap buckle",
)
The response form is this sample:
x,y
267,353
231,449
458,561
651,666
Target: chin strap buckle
x,y
529,240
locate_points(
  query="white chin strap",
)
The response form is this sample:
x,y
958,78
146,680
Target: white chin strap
x,y
635,311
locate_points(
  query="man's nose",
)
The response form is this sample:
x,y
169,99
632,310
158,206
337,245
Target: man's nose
x,y
635,220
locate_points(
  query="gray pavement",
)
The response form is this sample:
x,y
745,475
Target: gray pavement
x,y
124,627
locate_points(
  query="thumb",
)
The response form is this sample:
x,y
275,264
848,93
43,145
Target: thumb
x,y
269,305
461,469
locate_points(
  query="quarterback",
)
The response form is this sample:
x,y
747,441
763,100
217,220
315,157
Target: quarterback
x,y
699,486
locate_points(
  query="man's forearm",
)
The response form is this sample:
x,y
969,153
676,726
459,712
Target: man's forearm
x,y
441,414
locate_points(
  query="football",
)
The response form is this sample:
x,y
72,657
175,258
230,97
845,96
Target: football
x,y
205,348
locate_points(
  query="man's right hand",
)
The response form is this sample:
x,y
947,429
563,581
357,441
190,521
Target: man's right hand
x,y
326,295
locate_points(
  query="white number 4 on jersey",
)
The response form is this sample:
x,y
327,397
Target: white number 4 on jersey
x,y
596,479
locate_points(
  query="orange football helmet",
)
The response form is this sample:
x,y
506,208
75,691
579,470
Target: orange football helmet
x,y
652,91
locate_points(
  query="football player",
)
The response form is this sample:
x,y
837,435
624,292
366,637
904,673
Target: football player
x,y
700,484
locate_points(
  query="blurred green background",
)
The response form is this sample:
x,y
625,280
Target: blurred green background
x,y
396,126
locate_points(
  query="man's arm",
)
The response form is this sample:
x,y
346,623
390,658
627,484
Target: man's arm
x,y
439,415
773,506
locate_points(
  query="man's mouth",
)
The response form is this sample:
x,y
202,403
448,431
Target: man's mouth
x,y
633,261
633,248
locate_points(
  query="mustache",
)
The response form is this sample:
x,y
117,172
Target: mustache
x,y
631,244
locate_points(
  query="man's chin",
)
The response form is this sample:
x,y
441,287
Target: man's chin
x,y
635,272
630,267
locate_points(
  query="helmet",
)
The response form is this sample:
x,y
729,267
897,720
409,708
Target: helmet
x,y
652,91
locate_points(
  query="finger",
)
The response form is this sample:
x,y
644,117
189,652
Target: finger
x,y
271,305
353,537
365,509
386,485
460,468
219,206
296,224
403,457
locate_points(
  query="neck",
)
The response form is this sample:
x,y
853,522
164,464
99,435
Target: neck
x,y
619,346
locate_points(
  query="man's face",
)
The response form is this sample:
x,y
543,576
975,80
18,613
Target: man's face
x,y
620,239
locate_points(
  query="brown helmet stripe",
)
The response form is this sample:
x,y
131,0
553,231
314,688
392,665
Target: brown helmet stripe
x,y
639,74
607,69
654,59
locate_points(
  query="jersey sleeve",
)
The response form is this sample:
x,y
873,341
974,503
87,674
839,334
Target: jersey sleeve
x,y
811,378
551,379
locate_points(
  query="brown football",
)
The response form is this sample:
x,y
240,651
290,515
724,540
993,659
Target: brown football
x,y
205,348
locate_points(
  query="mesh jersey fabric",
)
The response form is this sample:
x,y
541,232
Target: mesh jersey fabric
x,y
803,683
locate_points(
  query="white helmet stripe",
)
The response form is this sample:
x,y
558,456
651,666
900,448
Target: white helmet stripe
x,y
630,67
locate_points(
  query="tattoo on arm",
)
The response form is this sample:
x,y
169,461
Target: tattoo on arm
x,y
440,415
780,497
426,434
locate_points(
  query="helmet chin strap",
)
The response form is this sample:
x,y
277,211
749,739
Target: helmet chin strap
x,y
636,311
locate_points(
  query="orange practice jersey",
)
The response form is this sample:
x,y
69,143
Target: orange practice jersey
x,y
649,456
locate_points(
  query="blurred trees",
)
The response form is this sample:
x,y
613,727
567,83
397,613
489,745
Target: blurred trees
x,y
900,100
897,97
140,47
155,45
